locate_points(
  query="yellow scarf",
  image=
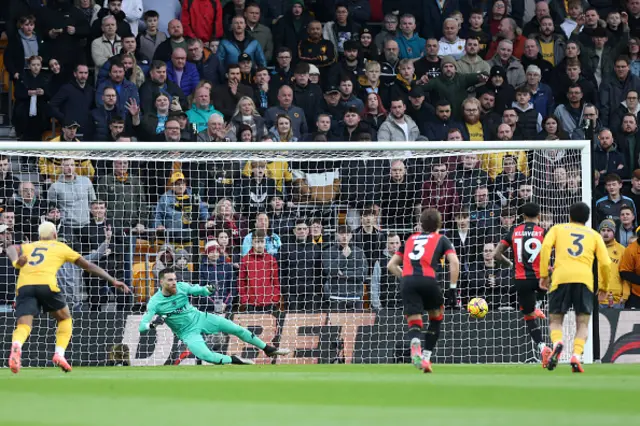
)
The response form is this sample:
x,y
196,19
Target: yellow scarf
x,y
406,83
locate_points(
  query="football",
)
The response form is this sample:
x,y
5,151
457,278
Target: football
x,y
478,307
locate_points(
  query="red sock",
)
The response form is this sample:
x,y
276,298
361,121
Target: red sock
x,y
416,323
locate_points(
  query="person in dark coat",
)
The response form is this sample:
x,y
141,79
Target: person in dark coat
x,y
226,96
158,83
24,44
114,9
301,273
74,100
306,95
607,158
65,31
292,27
207,64
30,122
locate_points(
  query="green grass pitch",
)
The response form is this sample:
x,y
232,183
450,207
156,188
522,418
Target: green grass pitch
x,y
314,395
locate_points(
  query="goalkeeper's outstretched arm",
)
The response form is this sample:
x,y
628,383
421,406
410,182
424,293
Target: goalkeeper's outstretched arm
x,y
145,322
197,290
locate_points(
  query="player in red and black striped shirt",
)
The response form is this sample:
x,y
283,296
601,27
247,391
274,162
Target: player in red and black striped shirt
x,y
525,241
420,259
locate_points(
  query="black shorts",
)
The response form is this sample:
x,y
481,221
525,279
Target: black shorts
x,y
527,291
420,294
566,296
32,299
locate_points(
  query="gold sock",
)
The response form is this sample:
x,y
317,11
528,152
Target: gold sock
x,y
21,333
556,336
578,346
63,333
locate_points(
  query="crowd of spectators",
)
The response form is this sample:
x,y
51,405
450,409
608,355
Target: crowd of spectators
x,y
307,235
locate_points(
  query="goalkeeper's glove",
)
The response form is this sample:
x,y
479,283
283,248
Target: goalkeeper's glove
x,y
210,288
159,320
452,295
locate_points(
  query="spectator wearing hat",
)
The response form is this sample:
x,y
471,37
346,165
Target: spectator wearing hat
x,y
314,74
291,28
306,95
179,211
513,68
398,127
74,99
438,128
368,49
240,42
452,86
626,229
504,93
259,32
608,207
332,105
341,29
419,109
349,64
412,46
315,50
471,62
602,57
285,106
451,44
614,292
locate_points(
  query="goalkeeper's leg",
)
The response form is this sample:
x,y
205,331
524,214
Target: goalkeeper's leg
x,y
214,324
199,348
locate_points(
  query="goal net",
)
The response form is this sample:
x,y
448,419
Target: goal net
x,y
295,238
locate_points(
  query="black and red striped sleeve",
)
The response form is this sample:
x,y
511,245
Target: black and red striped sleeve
x,y
507,240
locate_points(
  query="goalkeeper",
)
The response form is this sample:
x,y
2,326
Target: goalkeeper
x,y
172,305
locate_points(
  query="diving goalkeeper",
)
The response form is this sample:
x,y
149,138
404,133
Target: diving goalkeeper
x,y
172,306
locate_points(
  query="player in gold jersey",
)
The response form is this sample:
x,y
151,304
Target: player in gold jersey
x,y
576,246
37,289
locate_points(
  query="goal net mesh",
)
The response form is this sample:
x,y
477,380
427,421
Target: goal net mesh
x,y
318,284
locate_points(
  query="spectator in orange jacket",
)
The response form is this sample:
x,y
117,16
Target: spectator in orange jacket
x,y
202,19
259,282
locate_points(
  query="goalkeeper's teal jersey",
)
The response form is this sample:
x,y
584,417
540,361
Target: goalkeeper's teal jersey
x,y
176,310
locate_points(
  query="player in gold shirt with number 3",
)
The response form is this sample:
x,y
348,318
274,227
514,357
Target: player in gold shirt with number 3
x,y
576,246
37,289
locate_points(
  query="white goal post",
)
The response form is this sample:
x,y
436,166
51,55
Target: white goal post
x,y
327,308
